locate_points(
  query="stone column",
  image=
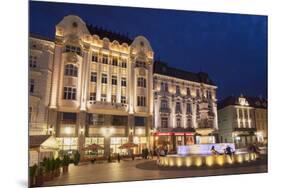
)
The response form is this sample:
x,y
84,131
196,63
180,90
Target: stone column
x,y
81,132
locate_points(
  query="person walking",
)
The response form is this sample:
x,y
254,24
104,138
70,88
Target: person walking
x,y
118,158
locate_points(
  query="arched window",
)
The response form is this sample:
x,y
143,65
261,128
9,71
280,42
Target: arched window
x,y
70,70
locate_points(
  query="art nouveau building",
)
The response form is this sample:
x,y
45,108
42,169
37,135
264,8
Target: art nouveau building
x,y
185,110
97,87
238,120
40,72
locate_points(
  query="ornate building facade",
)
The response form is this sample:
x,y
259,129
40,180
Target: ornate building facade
x,y
185,110
242,120
100,87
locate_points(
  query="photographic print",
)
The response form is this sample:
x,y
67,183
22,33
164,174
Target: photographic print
x,y
122,94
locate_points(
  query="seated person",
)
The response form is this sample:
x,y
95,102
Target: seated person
x,y
214,151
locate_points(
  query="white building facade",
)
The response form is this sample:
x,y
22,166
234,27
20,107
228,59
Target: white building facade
x,y
91,86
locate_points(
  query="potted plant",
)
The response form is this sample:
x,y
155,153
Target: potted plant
x,y
32,173
57,167
47,169
39,178
76,159
65,163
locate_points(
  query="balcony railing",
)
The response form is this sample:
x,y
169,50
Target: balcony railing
x,y
249,129
107,105
165,110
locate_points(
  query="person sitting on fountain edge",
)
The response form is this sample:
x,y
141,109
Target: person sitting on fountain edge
x,y
214,151
229,151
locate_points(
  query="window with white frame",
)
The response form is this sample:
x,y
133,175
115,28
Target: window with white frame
x,y
188,93
123,99
188,108
164,122
93,77
140,64
141,101
141,82
105,59
123,82
70,70
114,80
115,61
164,86
113,99
124,63
93,96
178,122
32,61
164,104
104,79
69,93
103,97
178,107
95,57
178,92
75,49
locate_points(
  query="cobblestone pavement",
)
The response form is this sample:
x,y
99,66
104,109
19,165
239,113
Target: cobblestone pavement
x,y
144,170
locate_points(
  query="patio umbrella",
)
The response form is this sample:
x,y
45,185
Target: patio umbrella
x,y
93,147
128,145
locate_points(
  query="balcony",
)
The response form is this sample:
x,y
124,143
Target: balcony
x,y
106,105
165,110
248,129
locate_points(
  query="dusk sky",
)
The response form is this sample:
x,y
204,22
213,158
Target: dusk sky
x,y
231,48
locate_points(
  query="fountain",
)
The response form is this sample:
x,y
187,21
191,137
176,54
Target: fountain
x,y
201,155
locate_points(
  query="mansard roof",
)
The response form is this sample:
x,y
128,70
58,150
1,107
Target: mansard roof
x,y
102,33
163,69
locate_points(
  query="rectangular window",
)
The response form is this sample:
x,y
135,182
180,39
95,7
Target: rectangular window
x,y
178,122
69,48
141,101
178,107
123,99
188,108
114,80
189,123
93,77
31,85
178,92
188,93
93,96
113,99
32,61
197,93
164,104
164,86
69,93
140,64
103,97
123,82
95,57
142,82
164,122
115,61
140,121
104,79
124,63
105,59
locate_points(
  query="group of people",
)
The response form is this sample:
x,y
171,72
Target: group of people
x,y
227,151
145,153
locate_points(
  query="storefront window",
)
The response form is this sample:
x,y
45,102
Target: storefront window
x,y
95,140
68,143
115,143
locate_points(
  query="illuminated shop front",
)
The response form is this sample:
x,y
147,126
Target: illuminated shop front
x,y
173,139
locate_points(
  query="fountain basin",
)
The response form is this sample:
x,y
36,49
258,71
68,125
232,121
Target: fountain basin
x,y
206,160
